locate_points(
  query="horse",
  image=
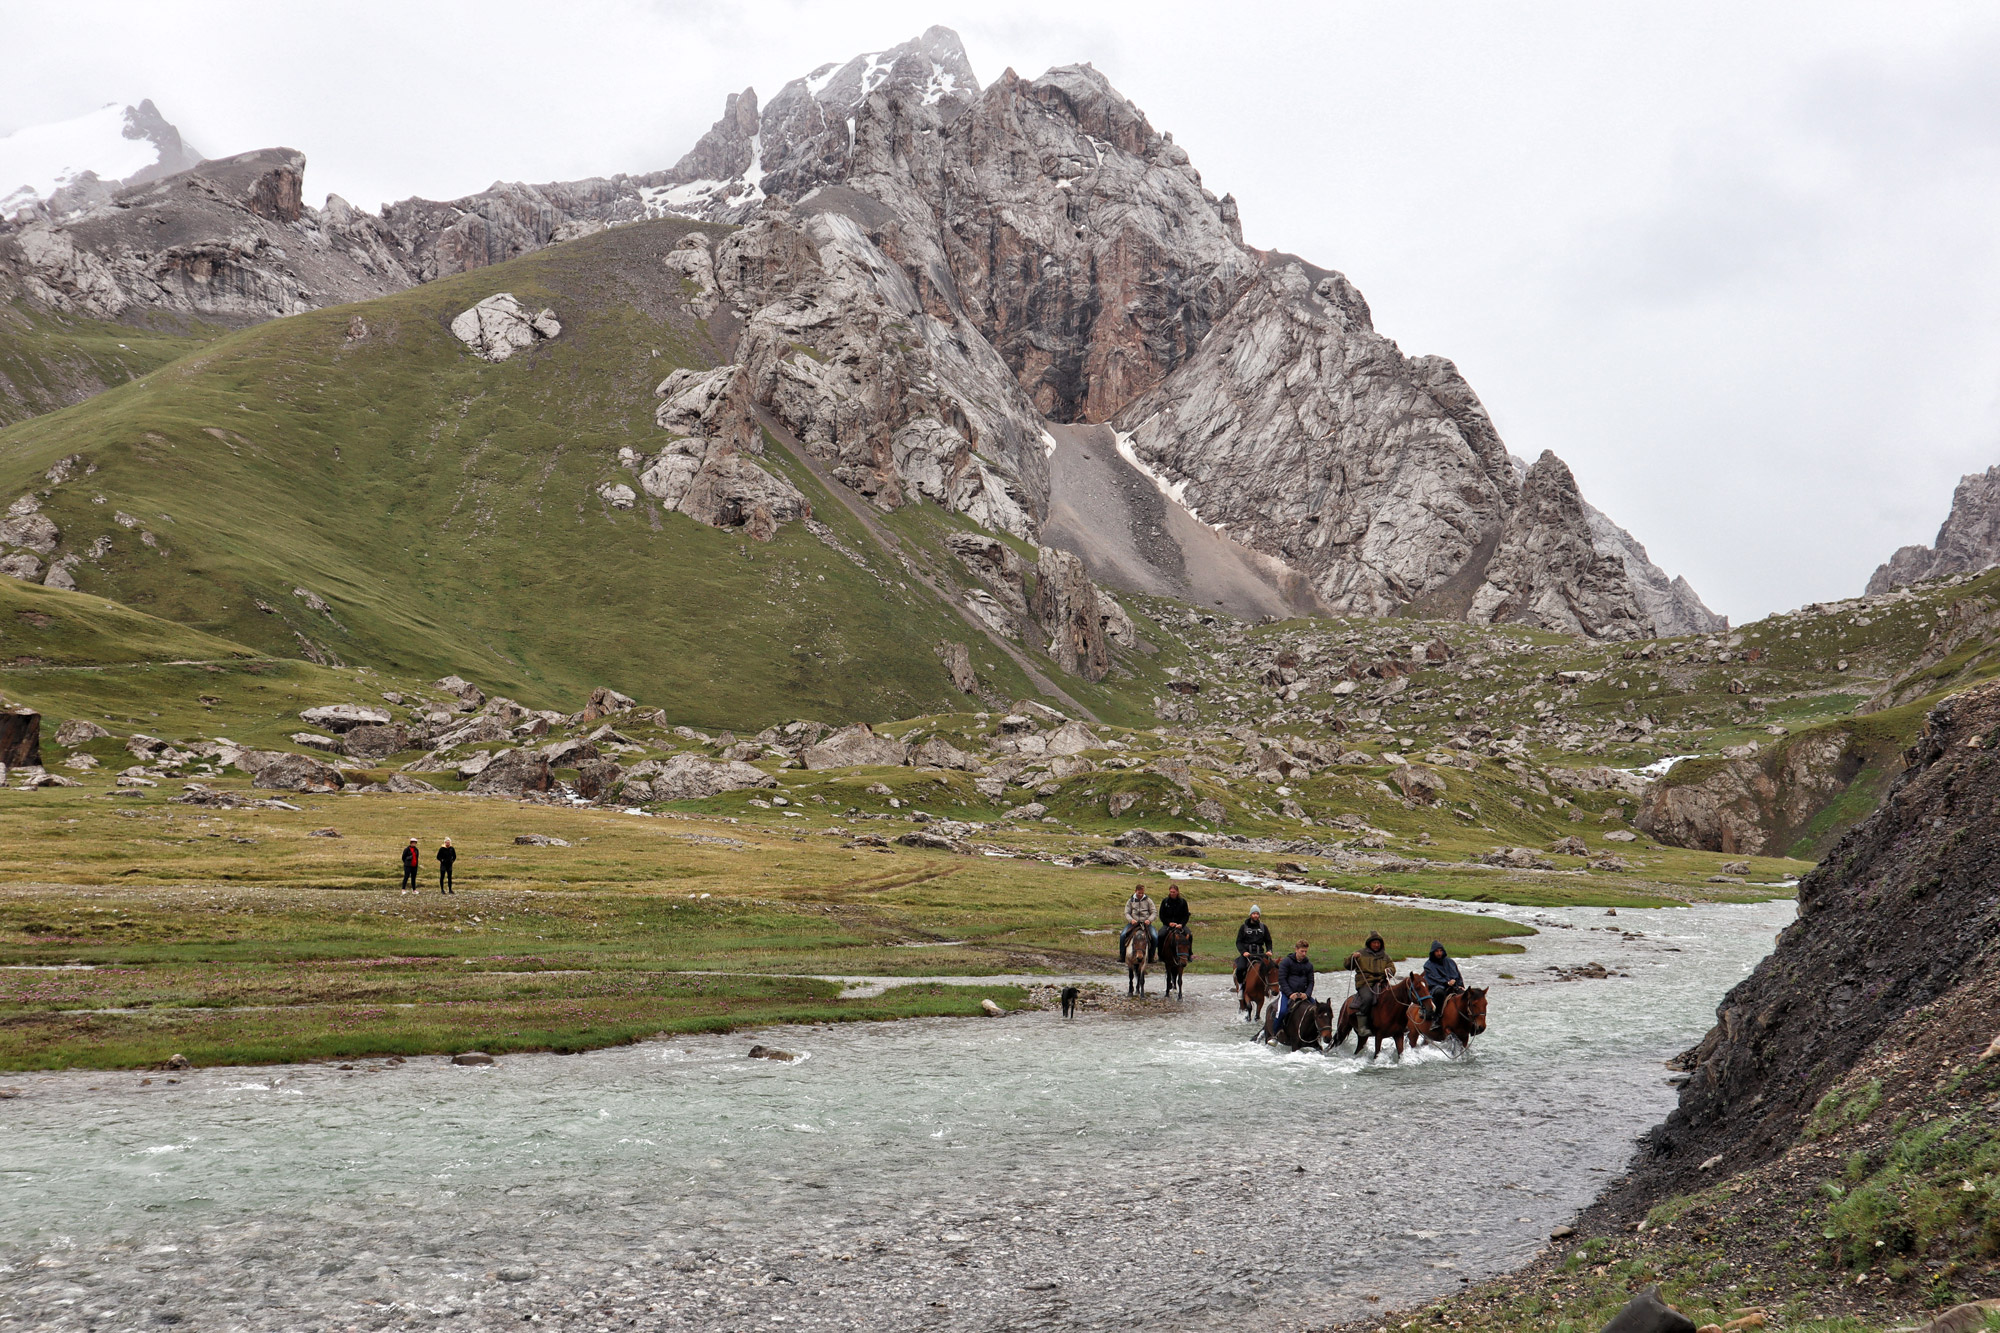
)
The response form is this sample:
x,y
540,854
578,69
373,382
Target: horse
x,y
1135,961
1260,983
1461,1017
1307,1023
1387,1017
1176,947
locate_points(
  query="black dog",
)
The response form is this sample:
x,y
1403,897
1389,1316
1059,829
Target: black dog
x,y
1069,994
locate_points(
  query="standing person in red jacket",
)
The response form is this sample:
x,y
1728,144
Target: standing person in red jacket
x,y
412,858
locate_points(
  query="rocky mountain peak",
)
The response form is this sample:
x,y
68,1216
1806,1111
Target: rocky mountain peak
x,y
1968,540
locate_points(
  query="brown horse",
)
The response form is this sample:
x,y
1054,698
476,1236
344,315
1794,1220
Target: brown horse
x,y
1260,983
1135,961
1176,947
1461,1017
1387,1017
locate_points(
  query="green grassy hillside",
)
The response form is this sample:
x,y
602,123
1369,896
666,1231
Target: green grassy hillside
x,y
49,361
445,510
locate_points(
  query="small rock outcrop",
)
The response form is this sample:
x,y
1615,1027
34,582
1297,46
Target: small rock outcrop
x,y
339,718
690,777
513,773
281,770
500,326
854,747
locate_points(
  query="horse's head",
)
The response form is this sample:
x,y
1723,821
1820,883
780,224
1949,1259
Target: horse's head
x,y
1475,1009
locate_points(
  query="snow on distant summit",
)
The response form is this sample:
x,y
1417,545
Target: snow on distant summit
x,y
73,164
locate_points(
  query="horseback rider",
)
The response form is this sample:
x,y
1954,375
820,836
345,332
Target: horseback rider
x,y
1295,982
1139,911
1174,910
1372,968
1253,941
1441,979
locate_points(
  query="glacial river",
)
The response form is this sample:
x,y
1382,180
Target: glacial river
x,y
1023,1173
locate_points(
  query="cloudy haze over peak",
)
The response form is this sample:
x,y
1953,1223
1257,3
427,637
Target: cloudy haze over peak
x,y
1736,265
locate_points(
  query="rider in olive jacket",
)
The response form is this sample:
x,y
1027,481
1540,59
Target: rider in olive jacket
x,y
1253,937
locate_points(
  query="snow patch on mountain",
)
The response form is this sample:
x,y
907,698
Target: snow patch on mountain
x,y
75,163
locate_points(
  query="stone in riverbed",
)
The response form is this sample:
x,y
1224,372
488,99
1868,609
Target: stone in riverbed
x,y
472,1058
770,1053
992,1010
178,1062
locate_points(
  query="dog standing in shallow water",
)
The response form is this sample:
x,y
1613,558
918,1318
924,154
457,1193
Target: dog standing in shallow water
x,y
1069,994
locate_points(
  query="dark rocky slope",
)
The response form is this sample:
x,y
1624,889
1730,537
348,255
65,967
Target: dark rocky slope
x,y
1904,910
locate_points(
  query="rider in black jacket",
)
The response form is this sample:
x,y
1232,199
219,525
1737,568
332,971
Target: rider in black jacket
x,y
1253,939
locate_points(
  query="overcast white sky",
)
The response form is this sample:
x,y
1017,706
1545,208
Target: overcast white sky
x,y
1738,264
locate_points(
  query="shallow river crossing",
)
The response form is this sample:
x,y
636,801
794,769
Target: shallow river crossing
x,y
1161,1172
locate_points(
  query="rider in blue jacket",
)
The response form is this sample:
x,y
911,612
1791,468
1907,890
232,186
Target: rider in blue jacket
x,y
1441,978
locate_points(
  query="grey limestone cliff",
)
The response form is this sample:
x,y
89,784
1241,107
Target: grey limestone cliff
x,y
1967,542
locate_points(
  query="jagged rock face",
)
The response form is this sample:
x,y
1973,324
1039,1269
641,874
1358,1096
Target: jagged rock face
x,y
829,349
708,471
806,136
1968,541
1079,239
1670,603
1305,434
1065,602
1546,571
229,241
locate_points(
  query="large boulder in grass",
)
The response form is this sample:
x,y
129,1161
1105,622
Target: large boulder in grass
x,y
596,779
20,738
77,731
690,777
857,746
281,770
514,773
342,718
937,752
376,743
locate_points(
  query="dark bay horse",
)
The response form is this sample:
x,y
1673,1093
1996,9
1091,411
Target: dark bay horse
x,y
1135,961
1260,983
1461,1017
1307,1023
1387,1018
1176,948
